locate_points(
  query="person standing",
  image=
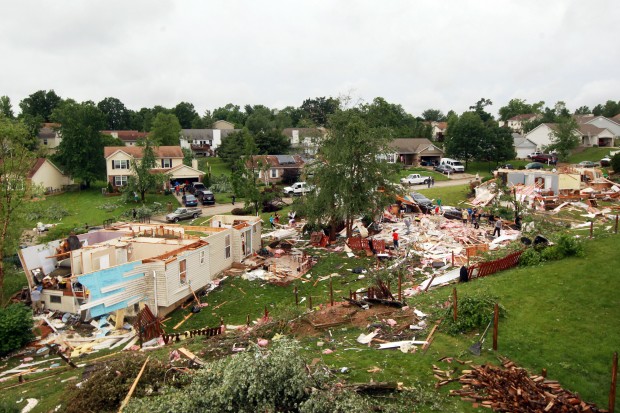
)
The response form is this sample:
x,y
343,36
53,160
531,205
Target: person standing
x,y
395,238
271,219
407,222
35,297
233,199
498,227
432,181
429,181
464,216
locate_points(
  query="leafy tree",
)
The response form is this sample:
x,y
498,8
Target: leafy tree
x,y
80,152
564,137
188,156
231,113
597,110
245,174
117,115
14,167
288,117
465,137
109,140
518,107
611,109
15,328
498,145
433,115
381,114
479,107
348,172
582,110
186,114
143,179
274,379
272,142
259,120
231,148
165,130
41,103
318,109
6,109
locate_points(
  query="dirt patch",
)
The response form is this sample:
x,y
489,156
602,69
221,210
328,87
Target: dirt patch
x,y
374,318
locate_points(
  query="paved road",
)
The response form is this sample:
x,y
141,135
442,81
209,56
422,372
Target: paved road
x,y
456,179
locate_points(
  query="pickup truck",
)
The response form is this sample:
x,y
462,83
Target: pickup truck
x,y
298,188
414,179
183,213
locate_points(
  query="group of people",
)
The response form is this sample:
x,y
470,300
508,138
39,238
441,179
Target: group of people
x,y
275,219
430,182
180,188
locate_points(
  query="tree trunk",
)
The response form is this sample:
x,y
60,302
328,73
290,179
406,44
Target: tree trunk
x,y
5,226
143,196
332,230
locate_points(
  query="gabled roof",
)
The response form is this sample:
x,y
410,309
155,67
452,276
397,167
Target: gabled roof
x,y
48,131
412,145
281,161
616,118
441,125
126,135
37,164
521,141
591,130
136,151
584,118
526,116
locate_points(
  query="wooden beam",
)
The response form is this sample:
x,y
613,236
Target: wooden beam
x,y
182,321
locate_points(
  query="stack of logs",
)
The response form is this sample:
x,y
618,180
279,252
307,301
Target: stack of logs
x,y
512,390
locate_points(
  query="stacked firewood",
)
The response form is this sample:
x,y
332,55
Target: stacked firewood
x,y
512,390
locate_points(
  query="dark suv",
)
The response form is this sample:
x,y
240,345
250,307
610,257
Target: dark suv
x,y
546,158
197,186
205,197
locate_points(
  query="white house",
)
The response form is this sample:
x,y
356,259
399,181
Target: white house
x,y
517,122
522,145
593,135
305,140
169,160
49,137
130,265
203,142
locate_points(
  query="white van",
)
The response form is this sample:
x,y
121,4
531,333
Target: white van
x,y
456,165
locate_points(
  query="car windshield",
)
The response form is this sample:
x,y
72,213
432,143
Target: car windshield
x,y
457,163
179,210
190,198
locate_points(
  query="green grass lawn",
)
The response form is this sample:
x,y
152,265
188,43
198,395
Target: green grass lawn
x,y
217,165
589,154
449,195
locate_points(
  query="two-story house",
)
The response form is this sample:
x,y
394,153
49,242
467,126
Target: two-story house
x,y
129,137
49,137
273,168
169,160
305,140
203,142
517,122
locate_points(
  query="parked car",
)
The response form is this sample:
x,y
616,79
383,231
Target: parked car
x,y
298,188
587,164
453,213
423,202
205,197
190,201
444,169
534,165
507,166
197,186
606,161
536,153
547,158
183,213
414,179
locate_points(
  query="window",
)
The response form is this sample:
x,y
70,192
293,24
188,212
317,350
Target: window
x,y
227,248
44,141
183,271
391,158
202,257
166,163
120,164
273,172
57,299
120,180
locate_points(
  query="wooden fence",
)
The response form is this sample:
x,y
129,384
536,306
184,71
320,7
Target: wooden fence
x,y
483,269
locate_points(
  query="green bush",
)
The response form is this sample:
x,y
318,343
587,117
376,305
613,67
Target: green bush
x,y
15,328
473,313
8,407
529,258
552,253
570,246
242,211
615,163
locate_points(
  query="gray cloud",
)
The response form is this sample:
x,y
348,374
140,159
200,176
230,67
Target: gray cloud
x,y
444,54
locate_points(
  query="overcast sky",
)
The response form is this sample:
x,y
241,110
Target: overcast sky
x,y
443,54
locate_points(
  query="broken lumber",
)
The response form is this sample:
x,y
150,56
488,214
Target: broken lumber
x,y
191,356
182,321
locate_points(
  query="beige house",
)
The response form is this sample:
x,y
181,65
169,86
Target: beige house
x,y
273,168
439,130
169,160
516,123
47,175
223,124
129,137
48,136
130,265
413,151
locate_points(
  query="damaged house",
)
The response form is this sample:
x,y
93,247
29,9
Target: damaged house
x,y
127,266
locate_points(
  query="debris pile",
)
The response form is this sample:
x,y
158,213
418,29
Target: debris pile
x,y
512,390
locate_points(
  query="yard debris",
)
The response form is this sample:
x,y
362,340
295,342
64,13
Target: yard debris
x,y
512,389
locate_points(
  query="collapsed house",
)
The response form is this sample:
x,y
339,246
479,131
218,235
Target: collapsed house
x,y
127,266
